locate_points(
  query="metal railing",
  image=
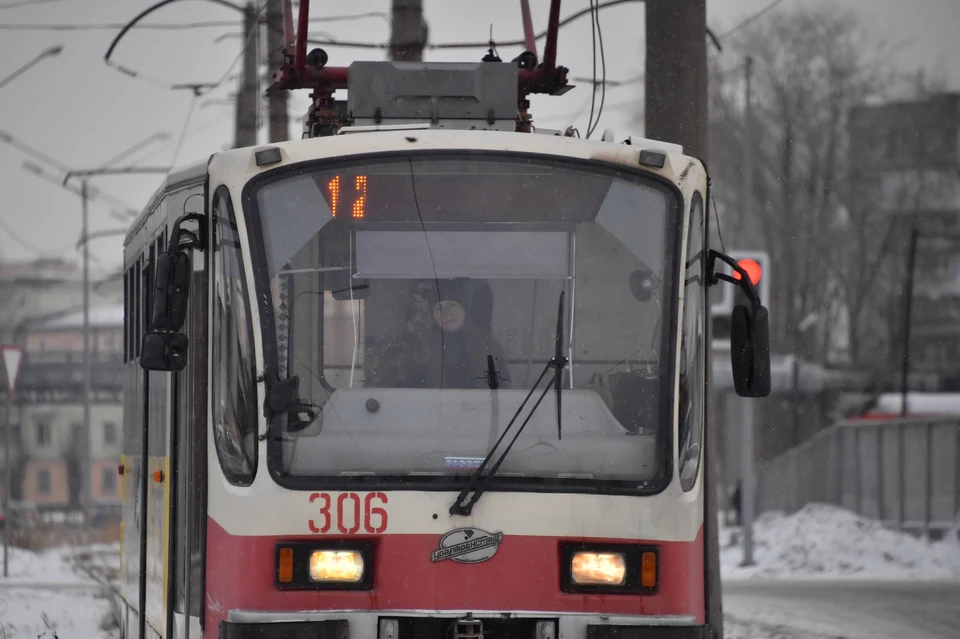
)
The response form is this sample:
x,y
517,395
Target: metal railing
x,y
905,473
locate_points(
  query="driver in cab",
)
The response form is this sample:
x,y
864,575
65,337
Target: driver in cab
x,y
444,350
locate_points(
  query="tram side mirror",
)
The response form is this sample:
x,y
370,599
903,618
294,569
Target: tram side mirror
x,y
171,291
750,351
163,352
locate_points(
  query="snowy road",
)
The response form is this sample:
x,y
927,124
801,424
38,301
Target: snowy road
x,y
841,609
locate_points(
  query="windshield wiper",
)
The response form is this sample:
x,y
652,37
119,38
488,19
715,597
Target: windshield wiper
x,y
478,480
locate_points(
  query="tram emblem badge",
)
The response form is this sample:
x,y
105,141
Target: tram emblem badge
x,y
467,546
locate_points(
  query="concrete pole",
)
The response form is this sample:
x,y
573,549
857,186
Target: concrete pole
x,y
85,492
676,74
277,115
245,122
408,34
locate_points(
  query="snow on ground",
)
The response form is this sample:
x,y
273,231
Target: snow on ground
x,y
44,596
734,628
28,613
48,566
826,542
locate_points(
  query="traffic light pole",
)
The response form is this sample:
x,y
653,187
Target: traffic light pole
x,y
7,521
746,479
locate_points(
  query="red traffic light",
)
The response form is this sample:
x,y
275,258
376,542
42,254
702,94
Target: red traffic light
x,y
752,268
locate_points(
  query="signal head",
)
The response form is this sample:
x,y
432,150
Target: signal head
x,y
752,267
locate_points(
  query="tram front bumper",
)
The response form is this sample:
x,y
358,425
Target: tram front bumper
x,y
328,629
376,625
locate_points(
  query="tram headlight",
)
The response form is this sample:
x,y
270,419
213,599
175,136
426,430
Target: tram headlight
x,y
331,565
598,569
609,568
339,566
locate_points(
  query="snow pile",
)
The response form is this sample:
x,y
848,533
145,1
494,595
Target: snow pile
x,y
821,541
45,596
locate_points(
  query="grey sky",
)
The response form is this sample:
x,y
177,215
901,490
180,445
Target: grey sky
x,y
80,111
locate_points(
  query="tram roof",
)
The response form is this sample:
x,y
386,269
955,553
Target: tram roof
x,y
397,139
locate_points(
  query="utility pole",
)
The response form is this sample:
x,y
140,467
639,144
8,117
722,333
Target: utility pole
x,y
245,122
85,447
907,313
746,419
676,74
409,32
278,118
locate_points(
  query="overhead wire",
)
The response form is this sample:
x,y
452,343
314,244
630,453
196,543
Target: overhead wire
x,y
593,83
171,26
616,106
468,45
603,66
195,130
25,3
206,87
183,130
603,69
22,242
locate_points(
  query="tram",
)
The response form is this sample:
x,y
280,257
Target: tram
x,y
427,372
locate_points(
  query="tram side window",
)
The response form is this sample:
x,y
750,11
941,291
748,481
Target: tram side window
x,y
126,316
691,351
234,388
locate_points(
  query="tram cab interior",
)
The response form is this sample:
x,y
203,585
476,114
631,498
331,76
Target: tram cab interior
x,y
418,324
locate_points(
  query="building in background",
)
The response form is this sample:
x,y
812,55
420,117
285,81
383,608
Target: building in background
x,y
48,286
41,310
909,167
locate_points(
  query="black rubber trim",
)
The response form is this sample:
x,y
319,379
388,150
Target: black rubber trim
x,y
648,632
261,279
328,629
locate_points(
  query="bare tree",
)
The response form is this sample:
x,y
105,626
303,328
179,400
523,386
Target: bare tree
x,y
812,66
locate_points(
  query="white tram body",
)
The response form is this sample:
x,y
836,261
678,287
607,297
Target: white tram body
x,y
366,314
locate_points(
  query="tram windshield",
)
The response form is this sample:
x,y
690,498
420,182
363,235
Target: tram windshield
x,y
417,298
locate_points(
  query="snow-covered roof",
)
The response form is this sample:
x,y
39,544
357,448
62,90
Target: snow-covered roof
x,y
100,316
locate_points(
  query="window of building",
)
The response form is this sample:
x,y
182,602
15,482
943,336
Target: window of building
x,y
76,434
43,481
43,434
109,433
108,482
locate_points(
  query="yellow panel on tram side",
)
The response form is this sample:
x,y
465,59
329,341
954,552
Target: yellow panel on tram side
x,y
123,516
157,530
130,541
166,536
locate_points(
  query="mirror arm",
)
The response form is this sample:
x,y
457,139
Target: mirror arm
x,y
744,282
195,240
